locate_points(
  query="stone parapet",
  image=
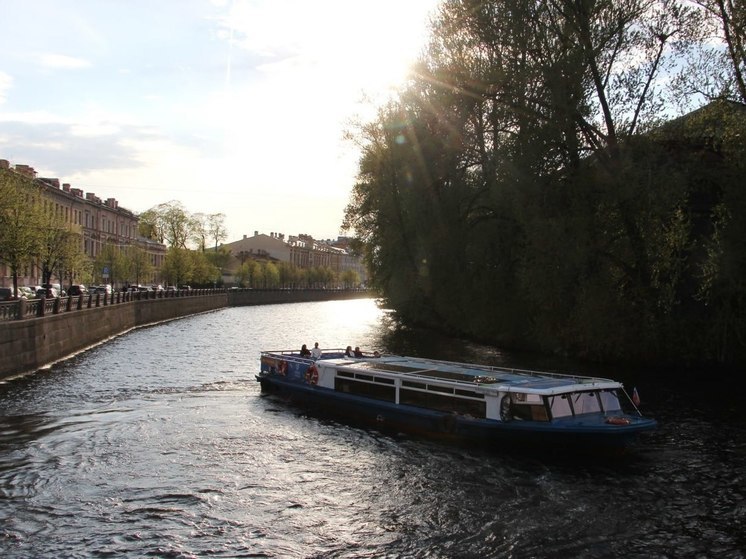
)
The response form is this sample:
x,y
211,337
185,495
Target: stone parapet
x,y
37,333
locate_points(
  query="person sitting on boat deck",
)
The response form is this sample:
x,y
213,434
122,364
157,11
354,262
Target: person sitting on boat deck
x,y
348,351
358,352
316,351
376,354
304,351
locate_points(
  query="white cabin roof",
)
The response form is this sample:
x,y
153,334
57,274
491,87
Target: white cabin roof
x,y
487,379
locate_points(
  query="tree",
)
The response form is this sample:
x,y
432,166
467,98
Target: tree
x,y
20,221
74,264
216,229
139,266
204,272
178,266
150,225
60,250
290,275
512,191
178,224
199,230
270,275
378,212
243,274
111,263
254,273
220,260
169,223
350,279
210,227
717,69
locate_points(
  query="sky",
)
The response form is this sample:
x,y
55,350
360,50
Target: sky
x,y
236,107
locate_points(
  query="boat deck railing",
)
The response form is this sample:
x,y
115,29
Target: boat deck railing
x,y
523,372
437,373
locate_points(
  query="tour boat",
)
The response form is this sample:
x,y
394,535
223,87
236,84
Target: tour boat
x,y
459,401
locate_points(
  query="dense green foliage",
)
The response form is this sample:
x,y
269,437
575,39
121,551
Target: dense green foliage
x,y
262,274
523,191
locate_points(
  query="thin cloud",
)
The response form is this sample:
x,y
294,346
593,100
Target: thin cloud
x,y
63,62
6,82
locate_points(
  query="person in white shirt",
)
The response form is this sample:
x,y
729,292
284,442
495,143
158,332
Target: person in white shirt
x,y
316,351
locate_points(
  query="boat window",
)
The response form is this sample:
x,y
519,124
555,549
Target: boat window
x,y
443,402
368,389
529,407
410,384
585,402
610,400
527,398
469,394
560,406
367,378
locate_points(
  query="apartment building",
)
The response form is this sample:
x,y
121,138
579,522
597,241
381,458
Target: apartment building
x,y
300,250
101,222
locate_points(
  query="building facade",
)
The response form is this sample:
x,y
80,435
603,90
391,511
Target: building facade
x,y
101,223
303,251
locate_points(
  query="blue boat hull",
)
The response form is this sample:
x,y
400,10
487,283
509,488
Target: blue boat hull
x,y
591,433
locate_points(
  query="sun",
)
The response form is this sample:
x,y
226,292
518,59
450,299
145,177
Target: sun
x,y
382,42
299,83
348,45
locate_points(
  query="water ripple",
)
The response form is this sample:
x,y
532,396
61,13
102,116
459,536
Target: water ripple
x,y
159,444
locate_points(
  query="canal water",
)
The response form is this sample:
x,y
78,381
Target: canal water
x,y
159,443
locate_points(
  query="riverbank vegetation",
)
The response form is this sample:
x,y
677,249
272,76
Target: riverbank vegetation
x,y
567,176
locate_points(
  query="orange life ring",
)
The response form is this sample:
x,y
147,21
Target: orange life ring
x,y
617,421
312,374
282,368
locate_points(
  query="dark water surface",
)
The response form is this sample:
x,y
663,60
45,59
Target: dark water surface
x,y
159,444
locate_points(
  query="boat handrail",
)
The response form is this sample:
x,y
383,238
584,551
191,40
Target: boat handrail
x,y
528,372
294,356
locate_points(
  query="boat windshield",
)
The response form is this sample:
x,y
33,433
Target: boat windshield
x,y
610,400
585,402
567,405
560,405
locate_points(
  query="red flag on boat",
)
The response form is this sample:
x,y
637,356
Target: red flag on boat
x,y
635,397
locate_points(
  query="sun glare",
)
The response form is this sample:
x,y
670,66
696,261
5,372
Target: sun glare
x,y
349,47
295,85
382,44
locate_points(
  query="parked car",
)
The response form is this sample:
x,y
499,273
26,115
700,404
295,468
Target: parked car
x,y
54,287
6,293
27,292
77,290
47,292
103,289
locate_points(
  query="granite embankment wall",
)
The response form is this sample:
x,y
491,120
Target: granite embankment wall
x,y
36,334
